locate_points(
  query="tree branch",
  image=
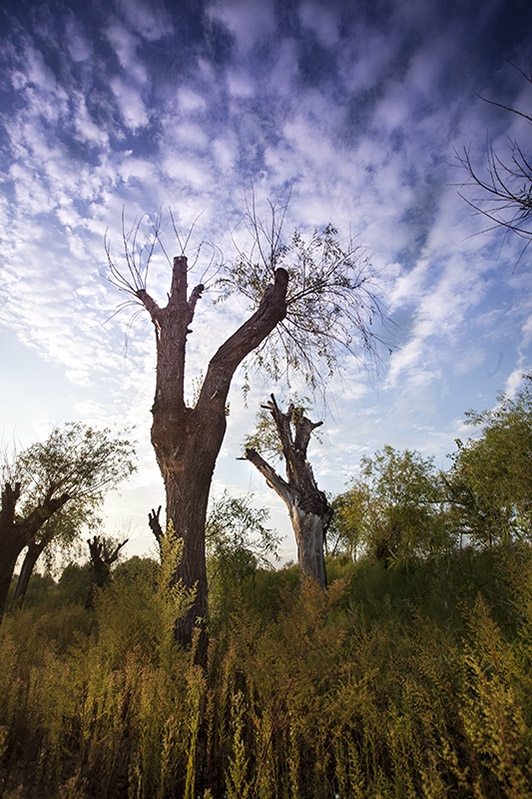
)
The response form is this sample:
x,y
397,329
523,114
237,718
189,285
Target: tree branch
x,y
10,497
149,303
271,310
195,296
276,482
29,526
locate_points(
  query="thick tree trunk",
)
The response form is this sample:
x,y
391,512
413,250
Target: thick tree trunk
x,y
187,440
309,511
309,530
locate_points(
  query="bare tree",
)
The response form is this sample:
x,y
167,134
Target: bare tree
x,y
312,292
309,510
154,522
506,186
102,556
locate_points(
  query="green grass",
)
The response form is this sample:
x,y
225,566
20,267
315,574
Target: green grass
x,y
407,682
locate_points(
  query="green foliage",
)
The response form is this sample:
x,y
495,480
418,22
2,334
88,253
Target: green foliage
x,y
490,484
346,529
237,543
331,297
80,461
394,509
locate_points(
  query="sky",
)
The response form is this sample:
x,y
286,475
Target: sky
x,y
356,110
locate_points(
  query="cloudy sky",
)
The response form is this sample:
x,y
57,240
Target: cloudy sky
x,y
356,107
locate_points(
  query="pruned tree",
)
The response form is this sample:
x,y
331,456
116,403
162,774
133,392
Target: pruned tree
x,y
506,185
102,556
313,293
154,522
308,507
54,491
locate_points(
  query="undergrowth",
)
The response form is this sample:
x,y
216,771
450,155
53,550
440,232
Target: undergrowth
x,y
408,682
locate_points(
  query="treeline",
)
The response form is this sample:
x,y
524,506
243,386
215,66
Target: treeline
x,y
400,506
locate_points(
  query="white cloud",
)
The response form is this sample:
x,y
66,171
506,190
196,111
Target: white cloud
x,y
125,45
130,102
364,147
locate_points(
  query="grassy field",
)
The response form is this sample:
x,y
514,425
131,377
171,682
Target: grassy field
x,y
407,682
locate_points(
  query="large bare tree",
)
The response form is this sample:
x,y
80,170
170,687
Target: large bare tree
x,y
311,292
309,510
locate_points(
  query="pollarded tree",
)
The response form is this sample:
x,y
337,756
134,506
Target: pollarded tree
x,y
311,293
55,487
309,510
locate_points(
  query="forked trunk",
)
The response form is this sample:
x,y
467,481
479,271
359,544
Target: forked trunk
x,y
16,533
187,440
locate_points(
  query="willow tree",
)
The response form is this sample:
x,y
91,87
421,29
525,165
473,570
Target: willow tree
x,y
308,508
304,298
52,491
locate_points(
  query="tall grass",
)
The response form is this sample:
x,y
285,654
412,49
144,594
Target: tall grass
x,y
413,682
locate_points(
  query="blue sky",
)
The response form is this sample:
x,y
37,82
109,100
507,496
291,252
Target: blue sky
x,y
357,107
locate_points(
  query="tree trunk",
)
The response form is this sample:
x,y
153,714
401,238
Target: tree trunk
x,y
101,561
7,567
309,511
16,533
309,530
187,440
34,550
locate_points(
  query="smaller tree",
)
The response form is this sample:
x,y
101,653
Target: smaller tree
x,y
490,483
102,556
236,538
346,530
67,474
308,507
399,502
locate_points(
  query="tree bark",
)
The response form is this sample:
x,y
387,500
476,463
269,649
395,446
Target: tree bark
x,y
33,552
16,533
187,440
309,511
